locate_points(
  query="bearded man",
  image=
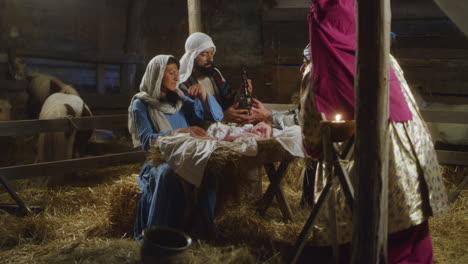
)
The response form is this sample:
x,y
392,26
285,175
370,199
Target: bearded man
x,y
197,69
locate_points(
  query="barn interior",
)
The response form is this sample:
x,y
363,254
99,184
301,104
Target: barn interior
x,y
101,48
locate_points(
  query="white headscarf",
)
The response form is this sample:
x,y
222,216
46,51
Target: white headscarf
x,y
306,52
196,43
150,92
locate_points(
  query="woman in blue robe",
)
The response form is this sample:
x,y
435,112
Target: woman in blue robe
x,y
160,109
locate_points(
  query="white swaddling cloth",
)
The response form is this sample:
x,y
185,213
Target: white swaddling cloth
x,y
188,156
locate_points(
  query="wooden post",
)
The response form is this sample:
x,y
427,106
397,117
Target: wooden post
x,y
194,16
371,153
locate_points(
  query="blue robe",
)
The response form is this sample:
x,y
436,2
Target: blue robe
x,y
162,199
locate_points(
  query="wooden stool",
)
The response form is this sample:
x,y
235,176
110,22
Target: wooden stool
x,y
332,159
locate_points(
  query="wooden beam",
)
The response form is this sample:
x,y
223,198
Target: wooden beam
x,y
55,167
280,107
371,149
456,10
194,16
109,101
81,56
455,117
25,127
452,157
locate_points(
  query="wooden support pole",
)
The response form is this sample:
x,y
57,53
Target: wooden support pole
x,y
371,152
194,16
101,34
132,37
132,44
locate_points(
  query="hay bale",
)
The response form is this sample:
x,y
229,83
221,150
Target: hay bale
x,y
123,200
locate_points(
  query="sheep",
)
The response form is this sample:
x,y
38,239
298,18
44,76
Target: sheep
x,y
53,146
40,87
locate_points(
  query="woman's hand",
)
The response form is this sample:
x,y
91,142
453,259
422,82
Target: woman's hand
x,y
197,132
193,131
197,90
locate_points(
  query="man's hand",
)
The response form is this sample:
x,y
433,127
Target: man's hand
x,y
258,112
197,90
236,115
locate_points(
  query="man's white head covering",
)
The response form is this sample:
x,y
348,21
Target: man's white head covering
x,y
150,93
196,43
306,52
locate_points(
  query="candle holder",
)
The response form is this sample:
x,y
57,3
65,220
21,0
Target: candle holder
x,y
340,130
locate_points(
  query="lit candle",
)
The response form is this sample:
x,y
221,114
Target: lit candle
x,y
338,119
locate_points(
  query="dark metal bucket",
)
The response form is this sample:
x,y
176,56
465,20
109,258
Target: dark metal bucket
x,y
164,245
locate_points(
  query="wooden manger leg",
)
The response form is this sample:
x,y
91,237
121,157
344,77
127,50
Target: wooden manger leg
x,y
275,189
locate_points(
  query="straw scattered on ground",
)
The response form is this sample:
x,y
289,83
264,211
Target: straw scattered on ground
x,y
450,231
91,222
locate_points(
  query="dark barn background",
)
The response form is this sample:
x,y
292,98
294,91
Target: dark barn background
x,y
101,46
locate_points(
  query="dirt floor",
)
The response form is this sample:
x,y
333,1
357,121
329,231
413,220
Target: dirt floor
x,y
91,221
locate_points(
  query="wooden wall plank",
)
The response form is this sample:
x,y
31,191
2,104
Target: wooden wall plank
x,y
285,14
282,82
283,42
66,25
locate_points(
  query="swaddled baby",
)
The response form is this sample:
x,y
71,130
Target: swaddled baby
x,y
220,131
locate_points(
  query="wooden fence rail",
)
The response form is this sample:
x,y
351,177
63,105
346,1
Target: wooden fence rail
x,y
21,127
62,166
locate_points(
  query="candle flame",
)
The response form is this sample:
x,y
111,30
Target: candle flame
x,y
338,117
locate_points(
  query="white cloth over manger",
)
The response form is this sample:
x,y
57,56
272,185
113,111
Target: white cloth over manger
x,y
188,156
